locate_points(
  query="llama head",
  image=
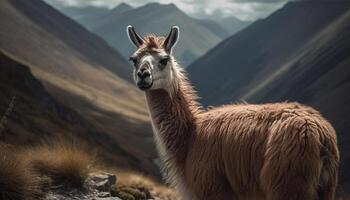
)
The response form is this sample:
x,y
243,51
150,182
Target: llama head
x,y
154,65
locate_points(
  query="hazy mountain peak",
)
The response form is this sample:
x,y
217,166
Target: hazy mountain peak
x,y
167,7
122,7
172,5
123,4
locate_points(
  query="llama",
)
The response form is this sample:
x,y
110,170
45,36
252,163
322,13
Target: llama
x,y
281,151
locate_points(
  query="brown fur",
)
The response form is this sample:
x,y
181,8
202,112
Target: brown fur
x,y
152,43
281,151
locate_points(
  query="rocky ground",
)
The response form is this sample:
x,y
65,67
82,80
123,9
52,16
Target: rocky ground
x,y
100,186
97,186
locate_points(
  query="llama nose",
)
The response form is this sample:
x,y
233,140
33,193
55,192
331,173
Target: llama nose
x,y
143,73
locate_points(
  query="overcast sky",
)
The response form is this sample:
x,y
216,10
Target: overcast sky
x,y
243,9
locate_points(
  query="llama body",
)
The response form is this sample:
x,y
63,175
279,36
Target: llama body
x,y
272,151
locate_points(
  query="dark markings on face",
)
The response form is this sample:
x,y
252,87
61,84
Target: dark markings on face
x,y
163,59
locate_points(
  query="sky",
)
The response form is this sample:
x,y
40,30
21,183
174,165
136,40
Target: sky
x,y
243,9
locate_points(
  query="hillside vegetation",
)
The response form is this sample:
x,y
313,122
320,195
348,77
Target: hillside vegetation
x,y
60,170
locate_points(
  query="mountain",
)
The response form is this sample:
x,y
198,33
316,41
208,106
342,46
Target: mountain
x,y
91,16
240,62
31,104
108,16
33,115
223,26
123,7
157,18
232,24
280,59
84,14
80,71
216,28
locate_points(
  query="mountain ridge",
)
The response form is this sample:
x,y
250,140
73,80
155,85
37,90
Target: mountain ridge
x,y
276,40
158,18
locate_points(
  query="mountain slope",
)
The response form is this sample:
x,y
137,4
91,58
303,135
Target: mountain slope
x,y
216,28
82,72
239,63
232,24
35,116
223,26
195,40
31,103
75,36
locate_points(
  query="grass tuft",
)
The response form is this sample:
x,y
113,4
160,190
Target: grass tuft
x,y
30,173
66,166
16,181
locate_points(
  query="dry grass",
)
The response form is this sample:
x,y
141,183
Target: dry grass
x,y
65,165
16,181
30,173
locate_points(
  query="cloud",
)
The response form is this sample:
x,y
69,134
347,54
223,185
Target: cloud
x,y
83,3
243,9
259,1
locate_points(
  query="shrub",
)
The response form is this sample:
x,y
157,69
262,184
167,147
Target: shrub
x,y
67,166
16,181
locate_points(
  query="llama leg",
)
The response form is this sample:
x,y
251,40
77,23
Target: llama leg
x,y
328,179
215,191
292,164
220,195
290,183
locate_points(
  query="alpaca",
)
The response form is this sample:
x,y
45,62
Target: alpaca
x,y
281,151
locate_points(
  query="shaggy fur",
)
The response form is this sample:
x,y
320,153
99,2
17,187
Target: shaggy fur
x,y
152,43
282,151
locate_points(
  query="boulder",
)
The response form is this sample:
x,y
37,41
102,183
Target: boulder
x,y
101,181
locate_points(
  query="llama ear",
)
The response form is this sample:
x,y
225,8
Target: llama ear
x,y
133,36
172,38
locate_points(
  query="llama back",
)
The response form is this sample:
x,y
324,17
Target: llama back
x,y
260,146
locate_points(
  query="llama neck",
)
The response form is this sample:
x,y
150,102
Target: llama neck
x,y
174,118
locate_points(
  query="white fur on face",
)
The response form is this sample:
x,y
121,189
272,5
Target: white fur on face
x,y
162,76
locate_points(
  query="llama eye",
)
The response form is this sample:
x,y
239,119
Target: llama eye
x,y
133,60
164,61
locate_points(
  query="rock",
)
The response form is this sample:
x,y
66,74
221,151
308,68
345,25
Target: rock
x,y
96,187
103,194
101,181
103,185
